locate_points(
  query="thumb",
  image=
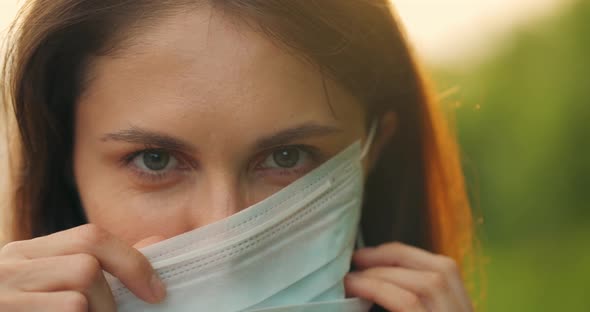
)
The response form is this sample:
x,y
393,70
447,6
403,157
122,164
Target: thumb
x,y
148,241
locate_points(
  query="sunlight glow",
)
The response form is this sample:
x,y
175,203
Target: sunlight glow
x,y
441,30
445,31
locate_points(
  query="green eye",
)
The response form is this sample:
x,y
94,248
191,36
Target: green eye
x,y
287,157
156,160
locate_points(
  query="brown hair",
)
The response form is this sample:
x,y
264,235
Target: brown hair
x,y
415,194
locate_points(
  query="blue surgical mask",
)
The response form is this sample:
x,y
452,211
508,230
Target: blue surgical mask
x,y
289,252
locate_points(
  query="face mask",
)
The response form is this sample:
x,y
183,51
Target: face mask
x,y
290,252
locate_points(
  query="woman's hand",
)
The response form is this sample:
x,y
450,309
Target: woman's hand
x,y
64,272
400,278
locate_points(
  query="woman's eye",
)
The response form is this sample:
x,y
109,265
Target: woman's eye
x,y
155,161
286,158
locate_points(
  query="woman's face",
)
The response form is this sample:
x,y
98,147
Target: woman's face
x,y
198,118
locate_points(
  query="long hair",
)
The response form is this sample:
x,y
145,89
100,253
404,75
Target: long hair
x,y
415,194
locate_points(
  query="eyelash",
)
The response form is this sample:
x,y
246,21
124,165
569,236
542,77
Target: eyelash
x,y
312,152
154,177
184,165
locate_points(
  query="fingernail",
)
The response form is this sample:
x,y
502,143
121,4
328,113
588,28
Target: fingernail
x,y
158,288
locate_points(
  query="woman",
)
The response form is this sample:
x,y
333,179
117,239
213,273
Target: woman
x,y
140,120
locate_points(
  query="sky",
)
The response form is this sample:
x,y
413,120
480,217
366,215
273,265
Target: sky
x,y
442,31
452,31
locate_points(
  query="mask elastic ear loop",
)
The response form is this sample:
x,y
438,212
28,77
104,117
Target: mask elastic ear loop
x,y
370,138
360,241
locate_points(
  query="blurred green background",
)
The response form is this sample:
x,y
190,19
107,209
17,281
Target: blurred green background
x,y
523,121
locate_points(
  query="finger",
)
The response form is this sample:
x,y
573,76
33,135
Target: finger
x,y
63,301
81,273
148,241
100,297
115,256
383,293
398,254
395,254
432,287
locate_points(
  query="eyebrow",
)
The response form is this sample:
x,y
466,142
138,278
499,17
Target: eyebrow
x,y
161,140
147,137
302,131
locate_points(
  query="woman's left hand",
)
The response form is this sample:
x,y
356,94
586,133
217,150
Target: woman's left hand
x,y
400,278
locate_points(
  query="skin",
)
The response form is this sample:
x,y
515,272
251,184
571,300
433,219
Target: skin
x,y
220,92
226,97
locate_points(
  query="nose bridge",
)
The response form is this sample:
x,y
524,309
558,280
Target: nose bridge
x,y
225,193
218,196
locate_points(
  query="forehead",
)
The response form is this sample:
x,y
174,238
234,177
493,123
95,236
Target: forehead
x,y
206,63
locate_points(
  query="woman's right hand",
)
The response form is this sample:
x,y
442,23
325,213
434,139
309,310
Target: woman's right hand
x,y
63,272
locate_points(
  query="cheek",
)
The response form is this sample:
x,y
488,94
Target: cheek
x,y
134,216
